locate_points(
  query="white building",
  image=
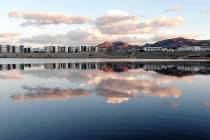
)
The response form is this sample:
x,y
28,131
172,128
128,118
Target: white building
x,y
189,48
78,49
86,48
205,48
11,49
153,49
27,49
3,49
17,49
194,48
71,49
38,50
21,49
170,50
51,49
62,49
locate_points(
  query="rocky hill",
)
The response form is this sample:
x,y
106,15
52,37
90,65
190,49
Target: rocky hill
x,y
179,42
114,45
168,43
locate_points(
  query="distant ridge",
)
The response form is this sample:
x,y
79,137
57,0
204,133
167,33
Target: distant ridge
x,y
179,42
167,43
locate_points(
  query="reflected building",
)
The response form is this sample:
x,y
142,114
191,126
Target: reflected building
x,y
170,68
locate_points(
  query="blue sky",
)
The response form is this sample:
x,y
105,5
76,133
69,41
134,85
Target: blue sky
x,y
194,24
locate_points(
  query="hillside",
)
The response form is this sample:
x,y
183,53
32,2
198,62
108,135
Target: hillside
x,y
168,43
179,42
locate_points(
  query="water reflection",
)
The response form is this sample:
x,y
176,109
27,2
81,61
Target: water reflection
x,y
128,99
116,81
12,74
117,91
166,68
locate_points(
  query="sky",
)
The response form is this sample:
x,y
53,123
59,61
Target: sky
x,y
91,22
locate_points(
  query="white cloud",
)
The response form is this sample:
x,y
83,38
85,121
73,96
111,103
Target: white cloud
x,y
8,38
40,19
118,22
176,8
114,26
167,22
73,37
9,35
45,39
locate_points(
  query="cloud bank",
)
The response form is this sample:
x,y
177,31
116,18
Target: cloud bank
x,y
43,93
177,8
115,25
40,19
125,23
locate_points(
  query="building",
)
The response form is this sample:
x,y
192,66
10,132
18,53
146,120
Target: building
x,y
27,50
169,50
153,49
85,48
62,49
205,48
21,49
11,49
71,49
93,49
47,49
78,49
38,50
51,49
194,48
189,48
4,49
17,49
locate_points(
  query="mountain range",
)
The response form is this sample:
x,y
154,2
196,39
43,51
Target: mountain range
x,y
168,43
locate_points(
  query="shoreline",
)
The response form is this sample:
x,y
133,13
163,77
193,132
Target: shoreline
x,y
52,60
140,55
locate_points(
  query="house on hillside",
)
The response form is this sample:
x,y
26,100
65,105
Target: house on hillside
x,y
193,48
153,49
189,48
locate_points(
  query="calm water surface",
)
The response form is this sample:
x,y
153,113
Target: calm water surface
x,y
95,99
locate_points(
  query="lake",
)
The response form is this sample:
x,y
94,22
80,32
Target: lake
x,y
62,99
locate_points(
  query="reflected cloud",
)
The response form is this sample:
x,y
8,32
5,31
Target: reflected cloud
x,y
43,93
172,103
164,92
118,91
13,75
118,82
207,104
